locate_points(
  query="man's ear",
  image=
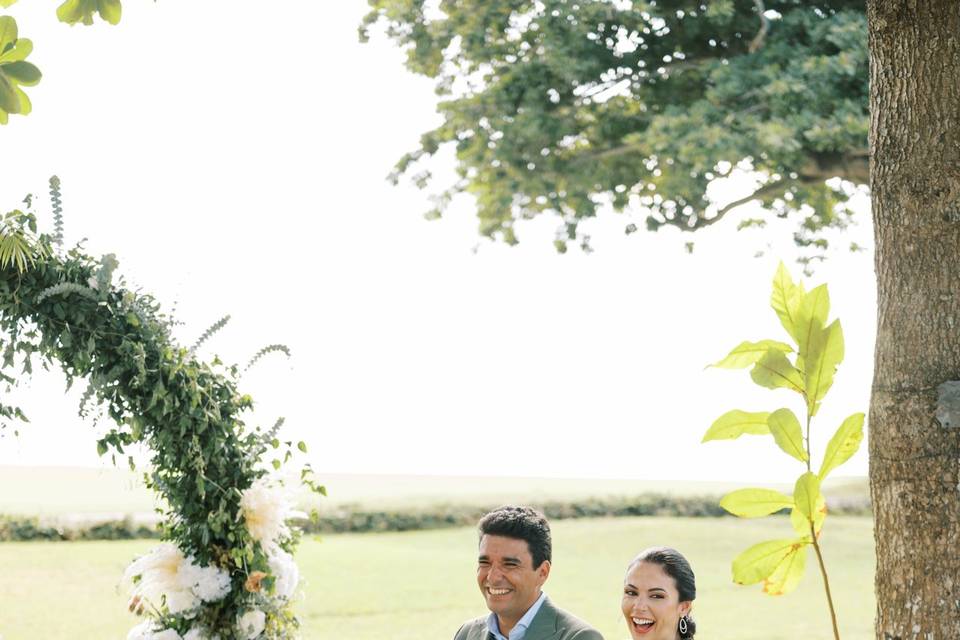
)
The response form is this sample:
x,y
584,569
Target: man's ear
x,y
543,571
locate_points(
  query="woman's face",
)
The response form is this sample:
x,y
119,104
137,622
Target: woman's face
x,y
651,603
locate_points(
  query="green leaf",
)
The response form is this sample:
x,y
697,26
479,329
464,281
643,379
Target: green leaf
x,y
734,424
761,560
787,433
786,299
755,503
748,353
6,3
8,32
774,371
275,463
812,317
806,493
110,10
22,49
788,573
24,73
824,354
800,523
302,446
843,444
101,447
9,100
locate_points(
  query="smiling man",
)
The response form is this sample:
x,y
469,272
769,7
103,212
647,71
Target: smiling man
x,y
513,564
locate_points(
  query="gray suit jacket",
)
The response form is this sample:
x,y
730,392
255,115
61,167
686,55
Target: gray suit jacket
x,y
550,623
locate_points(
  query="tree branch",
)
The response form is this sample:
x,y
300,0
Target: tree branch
x,y
766,189
757,41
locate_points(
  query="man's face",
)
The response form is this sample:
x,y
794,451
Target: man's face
x,y
508,580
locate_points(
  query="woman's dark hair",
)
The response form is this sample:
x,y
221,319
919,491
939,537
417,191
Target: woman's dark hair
x,y
676,566
520,523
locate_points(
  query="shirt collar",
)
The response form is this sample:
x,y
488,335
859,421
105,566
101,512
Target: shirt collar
x,y
520,629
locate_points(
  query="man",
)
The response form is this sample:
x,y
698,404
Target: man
x,y
514,563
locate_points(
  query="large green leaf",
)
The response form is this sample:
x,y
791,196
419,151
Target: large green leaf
x,y
774,371
736,423
110,10
748,353
755,503
788,434
788,573
761,560
824,354
786,299
6,3
812,317
806,493
843,444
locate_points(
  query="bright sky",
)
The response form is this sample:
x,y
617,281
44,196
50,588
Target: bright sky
x,y
233,156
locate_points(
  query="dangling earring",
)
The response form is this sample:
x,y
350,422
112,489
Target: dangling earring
x,y
683,625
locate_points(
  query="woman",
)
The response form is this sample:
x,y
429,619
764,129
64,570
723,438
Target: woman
x,y
658,593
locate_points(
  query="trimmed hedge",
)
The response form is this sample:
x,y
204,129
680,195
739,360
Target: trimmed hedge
x,y
356,519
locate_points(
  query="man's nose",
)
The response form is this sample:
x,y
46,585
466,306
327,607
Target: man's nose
x,y
493,574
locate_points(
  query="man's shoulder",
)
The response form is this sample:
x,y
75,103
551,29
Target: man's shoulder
x,y
570,625
475,629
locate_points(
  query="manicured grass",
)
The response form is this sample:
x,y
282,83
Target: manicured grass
x,y
416,585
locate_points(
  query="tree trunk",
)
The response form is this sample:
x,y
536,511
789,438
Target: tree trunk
x,y
915,183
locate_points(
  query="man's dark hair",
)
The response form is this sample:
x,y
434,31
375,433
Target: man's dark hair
x,y
520,523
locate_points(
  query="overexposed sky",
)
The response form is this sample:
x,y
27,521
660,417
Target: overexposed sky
x,y
233,154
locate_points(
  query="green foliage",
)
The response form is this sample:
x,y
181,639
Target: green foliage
x,y
558,108
74,11
15,71
780,564
69,310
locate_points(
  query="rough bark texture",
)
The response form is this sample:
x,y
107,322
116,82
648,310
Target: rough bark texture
x,y
915,182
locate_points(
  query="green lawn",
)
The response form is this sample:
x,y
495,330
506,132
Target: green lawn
x,y
420,585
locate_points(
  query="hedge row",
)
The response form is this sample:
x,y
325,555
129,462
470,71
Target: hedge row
x,y
355,519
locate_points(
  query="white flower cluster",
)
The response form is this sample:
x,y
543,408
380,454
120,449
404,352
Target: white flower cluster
x,y
165,572
266,509
166,575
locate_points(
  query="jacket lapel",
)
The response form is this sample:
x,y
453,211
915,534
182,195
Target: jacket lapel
x,y
545,624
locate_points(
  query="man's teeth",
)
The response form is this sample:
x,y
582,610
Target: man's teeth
x,y
497,592
642,621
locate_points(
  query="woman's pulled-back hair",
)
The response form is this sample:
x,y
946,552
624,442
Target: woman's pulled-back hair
x,y
676,566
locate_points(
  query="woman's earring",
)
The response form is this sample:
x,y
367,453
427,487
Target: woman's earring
x,y
683,625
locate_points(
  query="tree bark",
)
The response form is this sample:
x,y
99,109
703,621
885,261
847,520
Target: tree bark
x,y
915,187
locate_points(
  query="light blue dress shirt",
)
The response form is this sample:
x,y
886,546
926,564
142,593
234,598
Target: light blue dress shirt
x,y
520,629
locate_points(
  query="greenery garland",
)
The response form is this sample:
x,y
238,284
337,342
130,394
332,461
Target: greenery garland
x,y
226,570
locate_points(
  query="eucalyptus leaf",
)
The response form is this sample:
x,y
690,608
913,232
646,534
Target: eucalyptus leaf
x,y
800,523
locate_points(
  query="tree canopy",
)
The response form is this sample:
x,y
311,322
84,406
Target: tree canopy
x,y
560,107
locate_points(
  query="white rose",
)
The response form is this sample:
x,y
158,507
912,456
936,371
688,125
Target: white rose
x,y
252,623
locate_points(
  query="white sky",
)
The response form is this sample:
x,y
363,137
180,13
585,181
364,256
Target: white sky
x,y
233,155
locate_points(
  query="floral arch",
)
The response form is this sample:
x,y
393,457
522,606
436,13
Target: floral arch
x,y
225,569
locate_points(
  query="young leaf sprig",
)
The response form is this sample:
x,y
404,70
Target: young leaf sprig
x,y
806,366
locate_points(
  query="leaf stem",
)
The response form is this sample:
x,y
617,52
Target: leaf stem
x,y
826,582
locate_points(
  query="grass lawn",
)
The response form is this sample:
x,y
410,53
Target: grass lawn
x,y
419,585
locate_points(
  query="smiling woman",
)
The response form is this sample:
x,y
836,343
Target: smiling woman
x,y
658,594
